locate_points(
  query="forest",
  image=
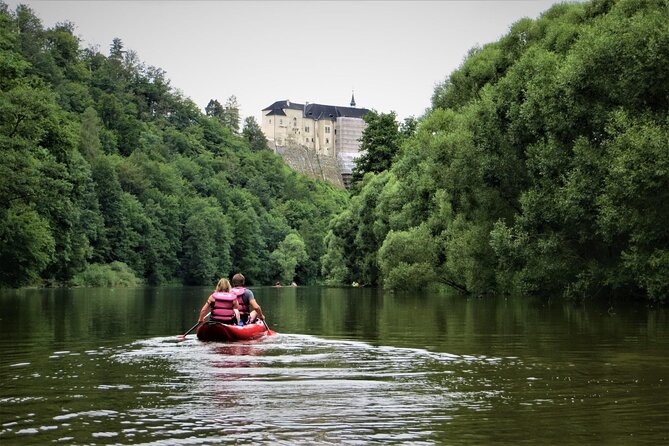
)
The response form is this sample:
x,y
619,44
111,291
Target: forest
x,y
110,177
541,168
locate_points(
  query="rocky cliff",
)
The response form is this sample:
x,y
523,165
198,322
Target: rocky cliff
x,y
308,162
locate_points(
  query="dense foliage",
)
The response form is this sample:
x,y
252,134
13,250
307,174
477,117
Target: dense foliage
x,y
380,143
107,172
542,167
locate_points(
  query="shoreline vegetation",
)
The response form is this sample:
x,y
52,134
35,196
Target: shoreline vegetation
x,y
540,168
110,177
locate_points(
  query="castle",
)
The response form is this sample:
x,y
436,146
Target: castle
x,y
326,130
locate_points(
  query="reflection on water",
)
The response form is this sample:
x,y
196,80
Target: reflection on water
x,y
471,372
284,388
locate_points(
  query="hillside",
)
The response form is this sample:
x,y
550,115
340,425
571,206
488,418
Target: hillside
x,y
110,176
542,168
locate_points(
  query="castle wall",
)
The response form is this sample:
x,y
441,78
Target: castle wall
x,y
349,132
313,141
312,164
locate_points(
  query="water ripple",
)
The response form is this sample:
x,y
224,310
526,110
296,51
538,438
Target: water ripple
x,y
305,389
284,389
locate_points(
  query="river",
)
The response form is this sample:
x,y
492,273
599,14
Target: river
x,y
347,366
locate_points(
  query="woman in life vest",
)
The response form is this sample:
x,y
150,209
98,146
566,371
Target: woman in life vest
x,y
248,307
222,304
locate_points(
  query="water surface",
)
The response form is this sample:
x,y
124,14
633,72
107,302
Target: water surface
x,y
349,366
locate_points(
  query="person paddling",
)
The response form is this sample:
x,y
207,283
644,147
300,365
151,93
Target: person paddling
x,y
248,307
222,304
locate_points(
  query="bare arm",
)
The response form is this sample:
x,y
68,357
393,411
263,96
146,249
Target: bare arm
x,y
206,308
235,308
257,308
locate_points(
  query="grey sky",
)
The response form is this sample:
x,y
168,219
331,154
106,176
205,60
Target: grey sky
x,y
392,53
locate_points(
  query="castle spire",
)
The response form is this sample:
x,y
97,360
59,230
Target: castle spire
x,y
352,99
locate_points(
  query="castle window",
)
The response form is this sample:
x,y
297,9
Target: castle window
x,y
270,120
327,129
294,122
327,140
280,121
306,129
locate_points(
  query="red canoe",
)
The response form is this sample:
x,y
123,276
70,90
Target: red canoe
x,y
215,331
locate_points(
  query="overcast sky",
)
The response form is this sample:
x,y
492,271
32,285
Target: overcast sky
x,y
391,53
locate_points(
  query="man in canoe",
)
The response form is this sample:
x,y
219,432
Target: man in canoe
x,y
249,309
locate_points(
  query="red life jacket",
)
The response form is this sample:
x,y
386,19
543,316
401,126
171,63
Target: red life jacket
x,y
239,292
222,309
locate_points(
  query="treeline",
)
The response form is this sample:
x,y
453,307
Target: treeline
x,y
542,167
108,175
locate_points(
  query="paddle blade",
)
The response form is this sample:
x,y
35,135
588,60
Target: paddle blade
x,y
270,332
183,336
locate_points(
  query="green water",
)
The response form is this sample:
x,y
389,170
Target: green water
x,y
348,366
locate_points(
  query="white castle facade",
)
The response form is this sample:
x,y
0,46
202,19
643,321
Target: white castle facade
x,y
328,130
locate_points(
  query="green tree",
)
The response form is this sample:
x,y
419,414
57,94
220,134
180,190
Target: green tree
x,y
206,245
230,117
112,243
89,142
214,109
254,135
334,261
247,241
26,246
633,205
357,230
288,255
408,127
408,259
109,176
531,172
379,144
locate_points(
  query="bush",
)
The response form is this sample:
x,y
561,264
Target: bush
x,y
116,274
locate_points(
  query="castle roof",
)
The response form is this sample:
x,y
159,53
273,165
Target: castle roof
x,y
320,111
281,105
276,111
316,111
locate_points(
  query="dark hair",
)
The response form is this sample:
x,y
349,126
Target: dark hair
x,y
238,279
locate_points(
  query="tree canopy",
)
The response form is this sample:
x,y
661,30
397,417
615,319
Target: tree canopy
x,y
106,171
541,168
380,142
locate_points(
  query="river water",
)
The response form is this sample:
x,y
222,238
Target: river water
x,y
347,366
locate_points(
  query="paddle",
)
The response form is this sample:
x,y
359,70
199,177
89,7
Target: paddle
x,y
270,332
183,336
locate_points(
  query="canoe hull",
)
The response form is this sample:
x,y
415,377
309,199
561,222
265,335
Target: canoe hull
x,y
215,331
